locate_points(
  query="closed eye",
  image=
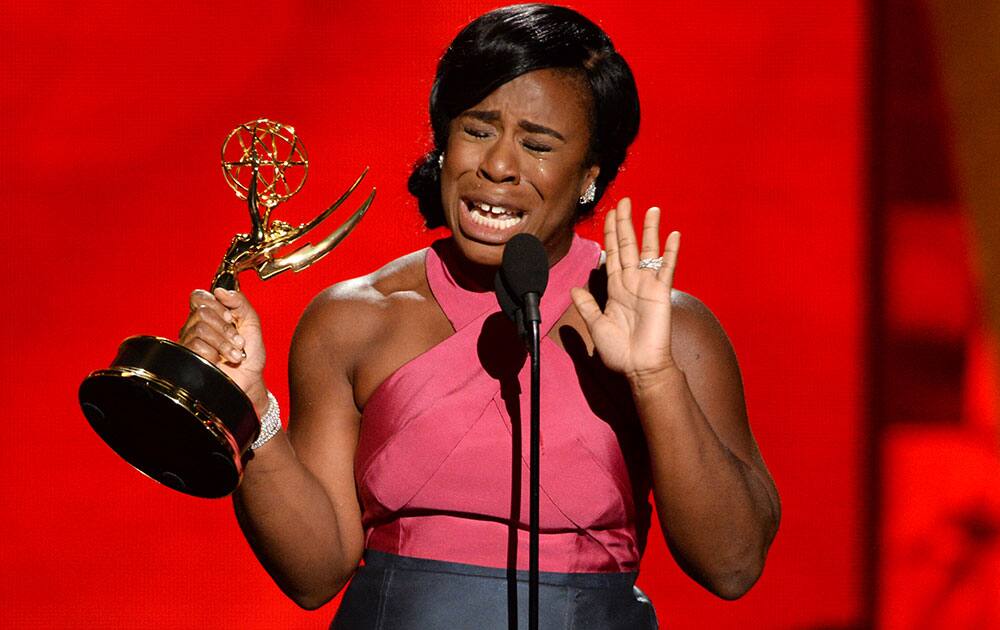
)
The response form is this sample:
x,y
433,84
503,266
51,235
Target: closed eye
x,y
537,147
475,132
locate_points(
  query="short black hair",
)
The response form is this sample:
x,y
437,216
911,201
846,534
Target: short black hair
x,y
502,45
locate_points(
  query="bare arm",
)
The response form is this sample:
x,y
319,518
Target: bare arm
x,y
718,506
296,504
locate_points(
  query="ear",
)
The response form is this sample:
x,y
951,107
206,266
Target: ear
x,y
590,176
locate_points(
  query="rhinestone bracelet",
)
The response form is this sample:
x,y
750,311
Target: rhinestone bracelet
x,y
270,424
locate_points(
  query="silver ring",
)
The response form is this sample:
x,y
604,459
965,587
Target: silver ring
x,y
651,263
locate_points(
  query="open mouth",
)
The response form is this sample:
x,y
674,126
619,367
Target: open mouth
x,y
495,217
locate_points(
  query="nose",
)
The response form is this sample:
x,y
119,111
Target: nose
x,y
499,163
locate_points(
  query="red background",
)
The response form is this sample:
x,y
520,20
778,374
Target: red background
x,y
752,140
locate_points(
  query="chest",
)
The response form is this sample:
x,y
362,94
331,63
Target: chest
x,y
415,324
459,411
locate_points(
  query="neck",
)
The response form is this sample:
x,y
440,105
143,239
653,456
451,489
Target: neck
x,y
469,275
477,277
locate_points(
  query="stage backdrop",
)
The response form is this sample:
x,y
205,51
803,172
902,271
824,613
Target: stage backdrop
x,y
116,209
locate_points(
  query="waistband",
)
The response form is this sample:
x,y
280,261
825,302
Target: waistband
x,y
380,560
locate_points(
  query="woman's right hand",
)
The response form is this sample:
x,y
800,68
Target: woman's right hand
x,y
224,328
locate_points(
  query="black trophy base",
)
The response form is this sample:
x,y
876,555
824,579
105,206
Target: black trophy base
x,y
173,416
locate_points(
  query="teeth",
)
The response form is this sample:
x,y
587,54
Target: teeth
x,y
494,223
485,207
495,217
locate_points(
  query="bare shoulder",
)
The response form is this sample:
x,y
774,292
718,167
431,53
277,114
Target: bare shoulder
x,y
692,316
350,315
698,340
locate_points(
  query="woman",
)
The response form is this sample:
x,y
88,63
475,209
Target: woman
x,y
404,439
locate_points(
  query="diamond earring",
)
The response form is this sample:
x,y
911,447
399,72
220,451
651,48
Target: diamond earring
x,y
589,194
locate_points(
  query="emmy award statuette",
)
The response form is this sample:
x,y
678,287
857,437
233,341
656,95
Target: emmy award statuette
x,y
167,411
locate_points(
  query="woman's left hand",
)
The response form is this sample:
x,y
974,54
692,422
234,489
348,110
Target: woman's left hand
x,y
632,334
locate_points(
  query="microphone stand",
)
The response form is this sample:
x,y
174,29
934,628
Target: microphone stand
x,y
532,316
534,482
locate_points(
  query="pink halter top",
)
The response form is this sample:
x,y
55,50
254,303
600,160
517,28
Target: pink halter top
x,y
434,460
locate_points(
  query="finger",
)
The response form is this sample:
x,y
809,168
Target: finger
x,y
670,250
612,264
586,305
237,303
628,251
202,333
218,342
651,233
202,299
203,349
221,323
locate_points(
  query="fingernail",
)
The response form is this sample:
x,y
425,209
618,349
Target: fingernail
x,y
227,316
230,292
236,354
238,340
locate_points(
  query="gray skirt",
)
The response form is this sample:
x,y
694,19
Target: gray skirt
x,y
391,592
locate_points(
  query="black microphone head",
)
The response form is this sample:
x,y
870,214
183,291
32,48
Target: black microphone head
x,y
507,303
525,266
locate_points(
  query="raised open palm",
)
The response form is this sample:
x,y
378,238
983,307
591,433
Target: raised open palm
x,y
632,333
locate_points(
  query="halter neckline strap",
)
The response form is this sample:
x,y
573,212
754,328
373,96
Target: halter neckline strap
x,y
462,306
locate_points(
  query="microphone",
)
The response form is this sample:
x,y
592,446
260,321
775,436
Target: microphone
x,y
524,273
507,303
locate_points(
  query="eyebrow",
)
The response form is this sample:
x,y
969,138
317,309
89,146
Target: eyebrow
x,y
491,116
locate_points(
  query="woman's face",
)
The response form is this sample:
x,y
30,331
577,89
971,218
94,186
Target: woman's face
x,y
517,162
